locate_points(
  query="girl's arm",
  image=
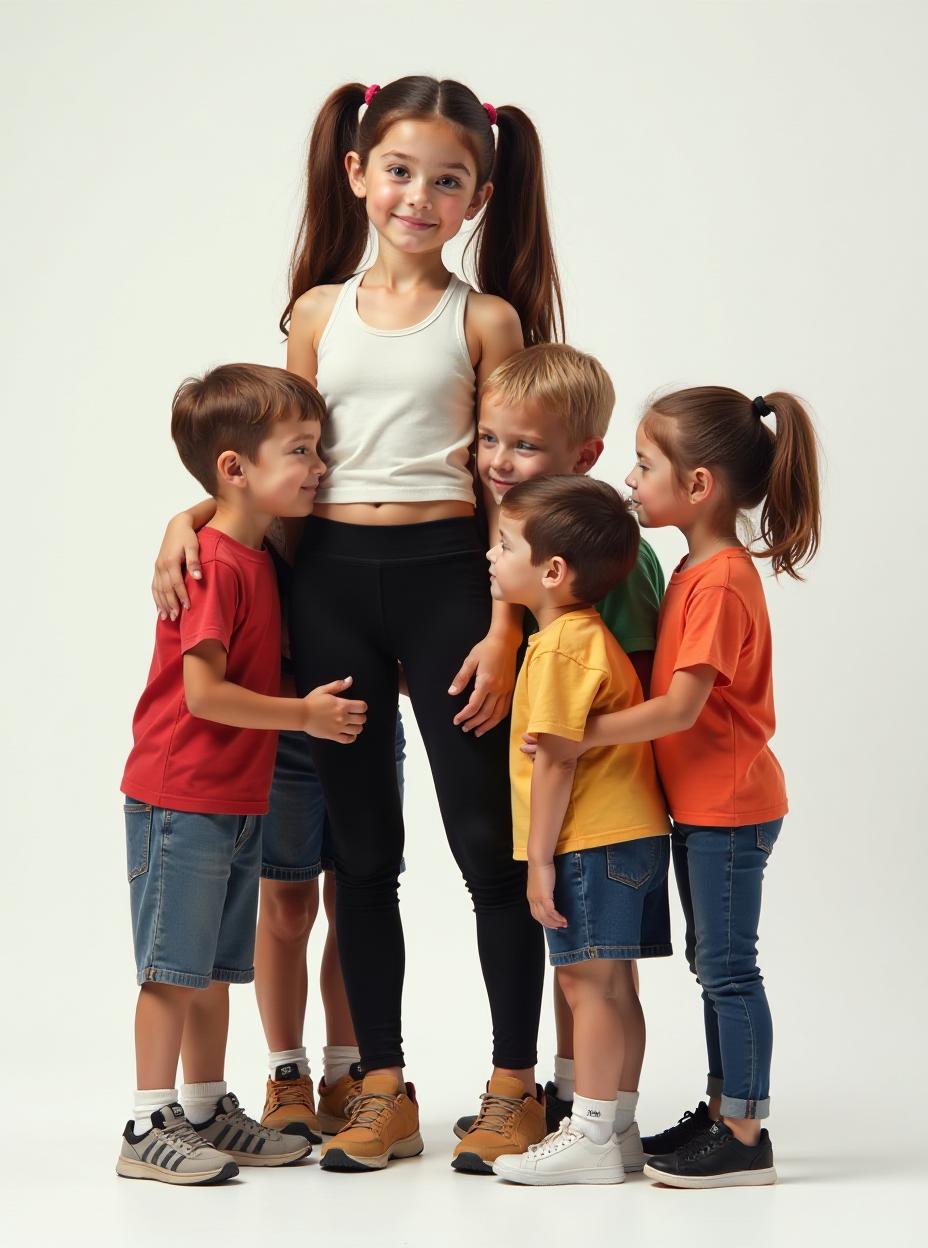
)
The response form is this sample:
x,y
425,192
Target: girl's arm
x,y
552,780
179,546
321,713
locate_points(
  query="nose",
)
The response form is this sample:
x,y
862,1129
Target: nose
x,y
632,480
491,554
418,193
501,457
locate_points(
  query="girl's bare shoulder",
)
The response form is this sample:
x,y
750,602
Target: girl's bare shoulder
x,y
313,309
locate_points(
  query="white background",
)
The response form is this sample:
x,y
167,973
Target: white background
x,y
738,196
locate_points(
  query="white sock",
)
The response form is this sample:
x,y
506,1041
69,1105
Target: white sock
x,y
627,1103
336,1060
145,1102
200,1099
594,1118
296,1056
564,1077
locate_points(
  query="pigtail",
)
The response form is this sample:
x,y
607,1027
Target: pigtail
x,y
334,230
515,257
790,520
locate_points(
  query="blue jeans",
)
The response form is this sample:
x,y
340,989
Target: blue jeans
x,y
719,874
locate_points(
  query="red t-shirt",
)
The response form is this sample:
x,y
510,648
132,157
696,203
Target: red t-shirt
x,y
182,763
721,772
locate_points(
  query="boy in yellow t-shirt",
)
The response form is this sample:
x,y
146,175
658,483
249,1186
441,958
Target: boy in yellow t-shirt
x,y
594,830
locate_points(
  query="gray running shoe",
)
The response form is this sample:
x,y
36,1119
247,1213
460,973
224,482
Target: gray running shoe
x,y
246,1141
172,1152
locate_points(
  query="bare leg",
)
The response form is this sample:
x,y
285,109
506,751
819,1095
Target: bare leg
x,y
159,1025
285,919
526,1076
563,1022
747,1130
599,1045
339,1028
625,994
203,1049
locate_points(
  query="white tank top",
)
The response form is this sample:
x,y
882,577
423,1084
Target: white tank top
x,y
400,404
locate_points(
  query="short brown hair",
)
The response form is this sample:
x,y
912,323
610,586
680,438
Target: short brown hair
x,y
586,522
564,381
232,408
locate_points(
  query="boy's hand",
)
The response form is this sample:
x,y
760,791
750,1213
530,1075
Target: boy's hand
x,y
178,547
494,662
540,893
332,718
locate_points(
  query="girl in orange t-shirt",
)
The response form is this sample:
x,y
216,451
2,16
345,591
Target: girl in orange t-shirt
x,y
704,456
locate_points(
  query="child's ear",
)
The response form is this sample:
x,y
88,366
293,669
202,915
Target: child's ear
x,y
587,455
230,470
480,200
701,485
355,171
556,573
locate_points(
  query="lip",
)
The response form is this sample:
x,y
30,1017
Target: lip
x,y
502,485
414,223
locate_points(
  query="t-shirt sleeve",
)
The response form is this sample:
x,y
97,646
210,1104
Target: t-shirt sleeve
x,y
714,631
561,692
630,610
214,602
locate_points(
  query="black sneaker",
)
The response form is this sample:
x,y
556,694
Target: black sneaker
x,y
693,1122
716,1159
555,1111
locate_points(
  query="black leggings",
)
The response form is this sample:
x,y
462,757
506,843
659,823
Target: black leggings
x,y
364,597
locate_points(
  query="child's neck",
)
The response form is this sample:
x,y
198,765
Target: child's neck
x,y
705,537
546,612
240,524
400,272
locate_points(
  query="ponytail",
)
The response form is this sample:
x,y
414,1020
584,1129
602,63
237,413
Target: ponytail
x,y
515,258
721,429
790,520
334,230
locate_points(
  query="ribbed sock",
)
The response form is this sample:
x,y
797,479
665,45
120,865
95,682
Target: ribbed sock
x,y
594,1118
145,1102
626,1105
200,1099
564,1077
296,1056
337,1060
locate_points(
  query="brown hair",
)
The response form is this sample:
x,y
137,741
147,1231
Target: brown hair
x,y
565,382
714,427
232,408
514,257
586,522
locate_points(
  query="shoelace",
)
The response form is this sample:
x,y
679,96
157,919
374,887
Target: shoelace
x,y
182,1136
700,1145
496,1112
565,1134
366,1109
239,1118
295,1092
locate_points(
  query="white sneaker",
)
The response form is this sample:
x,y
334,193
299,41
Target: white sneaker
x,y
564,1156
632,1151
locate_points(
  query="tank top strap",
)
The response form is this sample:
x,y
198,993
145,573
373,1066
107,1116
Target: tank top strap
x,y
457,309
347,292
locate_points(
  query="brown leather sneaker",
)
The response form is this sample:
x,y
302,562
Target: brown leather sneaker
x,y
289,1106
509,1121
332,1101
382,1124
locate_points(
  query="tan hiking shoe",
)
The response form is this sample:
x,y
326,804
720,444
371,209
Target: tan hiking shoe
x,y
332,1101
382,1124
509,1121
289,1106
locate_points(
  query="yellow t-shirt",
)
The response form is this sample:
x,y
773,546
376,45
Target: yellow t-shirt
x,y
575,668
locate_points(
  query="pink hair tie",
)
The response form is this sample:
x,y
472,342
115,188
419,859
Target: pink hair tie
x,y
371,92
491,113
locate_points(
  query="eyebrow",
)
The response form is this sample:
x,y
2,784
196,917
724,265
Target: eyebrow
x,y
412,160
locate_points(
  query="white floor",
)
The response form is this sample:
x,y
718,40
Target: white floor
x,y
836,1195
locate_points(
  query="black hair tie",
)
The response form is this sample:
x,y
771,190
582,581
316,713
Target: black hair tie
x,y
761,407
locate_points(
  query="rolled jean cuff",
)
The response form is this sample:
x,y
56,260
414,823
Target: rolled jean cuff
x,y
734,1108
713,1085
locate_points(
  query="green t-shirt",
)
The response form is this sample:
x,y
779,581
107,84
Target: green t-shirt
x,y
630,610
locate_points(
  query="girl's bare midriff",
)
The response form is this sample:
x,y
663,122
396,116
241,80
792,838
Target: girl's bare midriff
x,y
393,513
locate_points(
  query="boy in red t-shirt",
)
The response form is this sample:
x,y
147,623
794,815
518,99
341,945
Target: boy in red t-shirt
x,y
199,774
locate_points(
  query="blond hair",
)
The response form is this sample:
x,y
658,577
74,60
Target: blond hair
x,y
565,382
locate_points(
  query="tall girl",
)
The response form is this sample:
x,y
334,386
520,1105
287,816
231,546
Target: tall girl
x,y
704,456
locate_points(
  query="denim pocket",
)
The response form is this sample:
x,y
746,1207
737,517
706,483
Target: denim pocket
x,y
632,862
767,834
245,831
138,837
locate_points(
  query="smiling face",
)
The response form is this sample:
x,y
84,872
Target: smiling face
x,y
284,478
420,184
517,441
658,497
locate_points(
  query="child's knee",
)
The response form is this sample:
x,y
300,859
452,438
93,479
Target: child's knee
x,y
289,910
580,981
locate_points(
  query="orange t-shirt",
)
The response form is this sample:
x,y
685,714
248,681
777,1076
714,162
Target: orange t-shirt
x,y
721,772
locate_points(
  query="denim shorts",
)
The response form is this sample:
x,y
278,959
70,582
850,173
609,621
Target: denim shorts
x,y
295,830
193,890
614,898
